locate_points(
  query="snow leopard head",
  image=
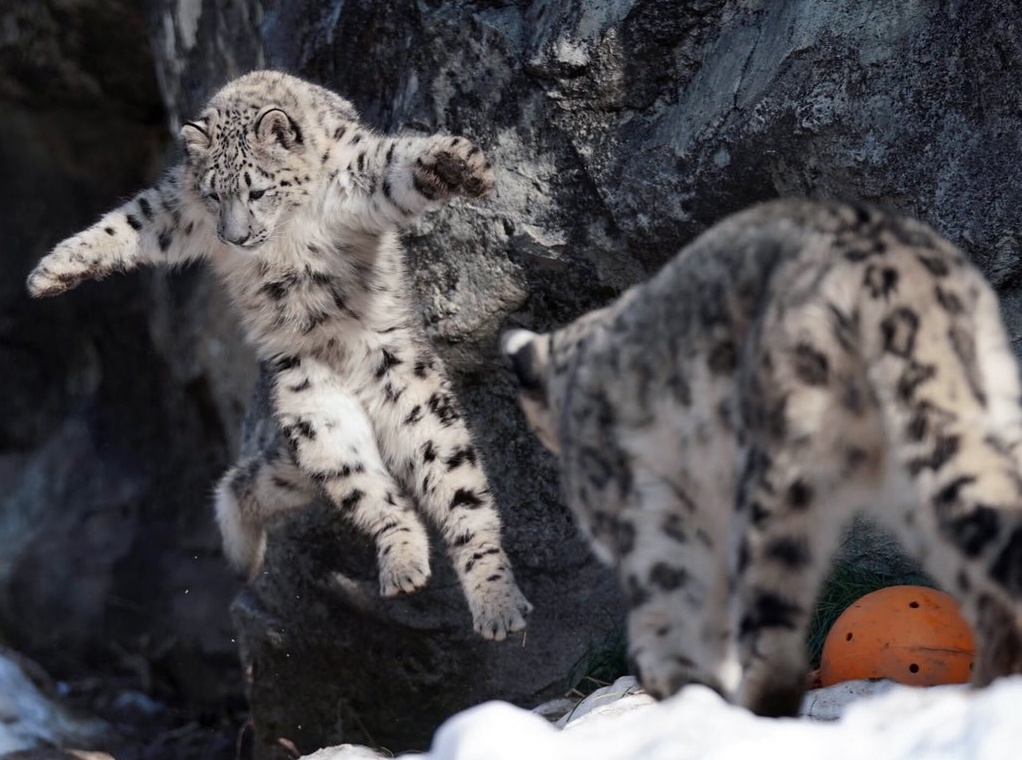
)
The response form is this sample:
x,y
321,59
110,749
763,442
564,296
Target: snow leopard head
x,y
250,169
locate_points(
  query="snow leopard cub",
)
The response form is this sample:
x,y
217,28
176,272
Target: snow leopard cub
x,y
718,425
296,206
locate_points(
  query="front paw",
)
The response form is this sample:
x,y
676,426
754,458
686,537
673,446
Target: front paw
x,y
44,281
455,166
63,268
498,608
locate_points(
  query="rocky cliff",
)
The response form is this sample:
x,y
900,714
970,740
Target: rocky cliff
x,y
111,431
619,130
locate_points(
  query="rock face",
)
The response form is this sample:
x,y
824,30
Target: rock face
x,y
619,131
32,719
112,430
619,128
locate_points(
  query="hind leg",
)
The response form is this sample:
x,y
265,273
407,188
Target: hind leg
x,y
671,562
814,453
334,443
965,525
426,442
250,494
795,516
966,528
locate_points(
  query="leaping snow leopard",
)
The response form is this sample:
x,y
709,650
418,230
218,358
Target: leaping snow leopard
x,y
718,425
296,205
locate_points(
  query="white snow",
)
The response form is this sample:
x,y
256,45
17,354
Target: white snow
x,y
902,723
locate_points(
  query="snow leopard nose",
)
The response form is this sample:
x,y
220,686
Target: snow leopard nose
x,y
233,225
233,239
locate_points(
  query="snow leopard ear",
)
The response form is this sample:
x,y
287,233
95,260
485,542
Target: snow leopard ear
x,y
274,126
195,135
527,353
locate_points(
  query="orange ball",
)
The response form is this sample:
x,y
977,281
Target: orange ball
x,y
911,634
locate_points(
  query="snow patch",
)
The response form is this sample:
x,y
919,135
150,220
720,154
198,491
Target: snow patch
x,y
903,723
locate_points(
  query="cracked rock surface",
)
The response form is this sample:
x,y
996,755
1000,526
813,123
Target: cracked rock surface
x,y
619,129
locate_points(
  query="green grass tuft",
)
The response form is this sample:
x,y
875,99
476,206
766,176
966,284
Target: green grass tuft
x,y
602,664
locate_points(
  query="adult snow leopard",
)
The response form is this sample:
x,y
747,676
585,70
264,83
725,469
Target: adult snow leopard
x,y
717,426
296,205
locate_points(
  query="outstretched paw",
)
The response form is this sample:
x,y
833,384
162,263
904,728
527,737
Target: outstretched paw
x,y
498,608
45,281
70,263
404,568
455,166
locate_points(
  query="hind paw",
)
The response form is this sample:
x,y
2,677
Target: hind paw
x,y
499,608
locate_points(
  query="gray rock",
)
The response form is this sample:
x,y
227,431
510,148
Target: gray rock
x,y
32,719
555,709
619,698
345,752
619,131
119,400
830,702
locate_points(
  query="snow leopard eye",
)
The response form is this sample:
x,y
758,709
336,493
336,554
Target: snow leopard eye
x,y
213,197
254,195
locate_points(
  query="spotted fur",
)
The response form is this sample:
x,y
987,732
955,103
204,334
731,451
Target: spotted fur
x,y
718,425
296,205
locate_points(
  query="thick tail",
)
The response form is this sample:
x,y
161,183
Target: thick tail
x,y
243,535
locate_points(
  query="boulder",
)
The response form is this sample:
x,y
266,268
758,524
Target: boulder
x,y
32,719
619,130
116,420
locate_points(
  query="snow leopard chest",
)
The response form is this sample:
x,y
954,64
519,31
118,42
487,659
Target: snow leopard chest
x,y
318,304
